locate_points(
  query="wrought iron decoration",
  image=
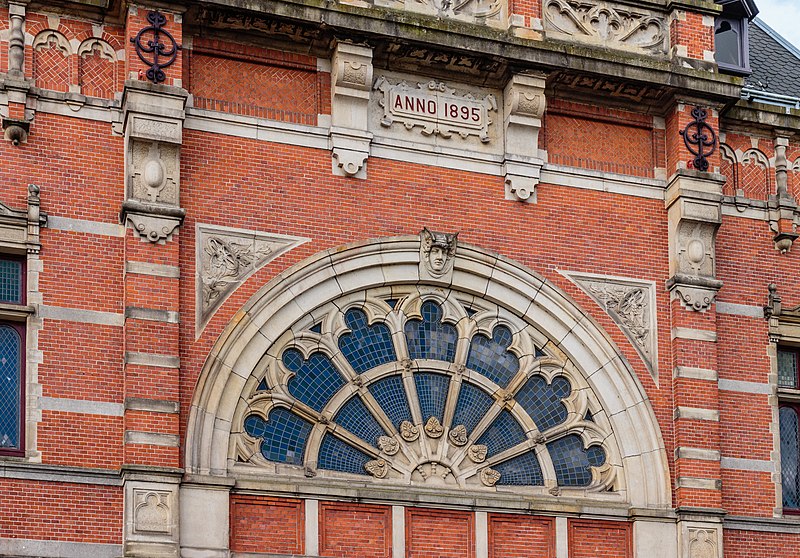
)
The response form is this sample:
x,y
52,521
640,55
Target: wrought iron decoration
x,y
163,53
700,139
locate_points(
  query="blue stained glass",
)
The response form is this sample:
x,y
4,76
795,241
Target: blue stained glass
x,y
505,432
283,436
473,403
392,302
542,401
523,470
470,311
316,328
11,281
790,457
10,366
391,396
315,380
432,394
367,346
336,455
355,417
262,385
490,357
430,338
572,462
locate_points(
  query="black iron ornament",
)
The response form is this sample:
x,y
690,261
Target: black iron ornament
x,y
700,139
163,53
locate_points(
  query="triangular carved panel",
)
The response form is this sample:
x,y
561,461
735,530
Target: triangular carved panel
x,y
631,303
226,258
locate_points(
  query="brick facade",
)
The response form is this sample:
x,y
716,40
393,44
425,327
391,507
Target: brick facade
x,y
129,330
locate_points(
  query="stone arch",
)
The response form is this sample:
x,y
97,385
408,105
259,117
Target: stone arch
x,y
336,273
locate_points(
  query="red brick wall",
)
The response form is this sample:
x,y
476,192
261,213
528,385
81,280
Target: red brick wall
x,y
60,511
439,533
756,544
601,140
355,530
263,524
600,539
521,536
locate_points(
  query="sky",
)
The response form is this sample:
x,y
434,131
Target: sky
x,y
783,16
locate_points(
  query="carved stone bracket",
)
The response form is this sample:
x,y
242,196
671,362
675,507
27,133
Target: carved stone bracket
x,y
693,203
524,105
700,537
351,81
153,125
227,257
151,514
631,303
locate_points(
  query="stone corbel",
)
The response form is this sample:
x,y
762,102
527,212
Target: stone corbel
x,y
351,82
693,202
153,125
152,512
524,105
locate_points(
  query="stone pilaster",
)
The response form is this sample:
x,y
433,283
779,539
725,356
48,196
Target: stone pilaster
x,y
524,108
783,208
351,82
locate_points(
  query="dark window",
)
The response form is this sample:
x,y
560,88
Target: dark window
x,y
790,457
731,45
12,359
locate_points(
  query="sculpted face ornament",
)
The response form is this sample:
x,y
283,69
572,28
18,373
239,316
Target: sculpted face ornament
x,y
437,251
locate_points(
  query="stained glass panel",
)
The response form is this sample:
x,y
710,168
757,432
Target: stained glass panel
x,y
315,380
336,455
572,462
473,403
523,470
367,346
391,396
787,369
430,338
10,366
491,358
542,401
355,417
432,394
790,457
505,432
283,436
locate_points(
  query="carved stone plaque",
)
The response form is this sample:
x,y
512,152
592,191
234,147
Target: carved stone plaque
x,y
435,108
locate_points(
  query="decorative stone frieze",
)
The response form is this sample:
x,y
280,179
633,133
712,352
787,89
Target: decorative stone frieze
x,y
693,202
606,24
227,257
351,81
153,127
474,11
524,105
631,303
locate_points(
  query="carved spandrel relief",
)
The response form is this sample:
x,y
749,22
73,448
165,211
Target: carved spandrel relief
x,y
435,109
631,304
603,24
474,11
226,257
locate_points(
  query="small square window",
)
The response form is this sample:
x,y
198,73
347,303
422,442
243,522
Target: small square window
x,y
12,274
788,363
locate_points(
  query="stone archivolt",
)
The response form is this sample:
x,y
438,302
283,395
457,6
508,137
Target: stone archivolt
x,y
425,386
